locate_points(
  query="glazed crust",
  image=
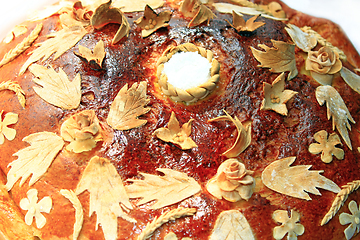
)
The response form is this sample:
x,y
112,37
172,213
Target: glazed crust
x,y
240,92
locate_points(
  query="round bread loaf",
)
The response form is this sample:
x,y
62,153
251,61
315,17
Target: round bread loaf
x,y
100,141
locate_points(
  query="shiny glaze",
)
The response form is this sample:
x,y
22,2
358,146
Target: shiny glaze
x,y
239,93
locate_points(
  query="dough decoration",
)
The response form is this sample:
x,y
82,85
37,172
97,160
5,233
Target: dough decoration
x,y
197,11
272,11
340,199
171,215
323,64
5,131
151,21
16,88
351,78
128,105
243,138
276,97
57,44
324,42
337,110
35,159
77,15
82,13
230,225
89,6
136,6
108,198
303,40
172,236
326,146
241,26
79,212
22,47
290,226
35,208
17,31
61,7
180,136
168,189
193,94
352,219
82,130
93,57
280,58
104,15
56,88
232,182
273,8
294,181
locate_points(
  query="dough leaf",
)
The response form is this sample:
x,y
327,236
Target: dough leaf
x,y
336,109
294,181
128,105
59,43
171,188
35,159
56,88
106,190
230,225
280,58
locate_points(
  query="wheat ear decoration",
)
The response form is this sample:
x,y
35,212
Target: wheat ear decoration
x,y
166,217
21,47
340,200
9,85
324,42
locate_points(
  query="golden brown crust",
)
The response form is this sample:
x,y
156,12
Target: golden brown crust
x,y
137,150
15,227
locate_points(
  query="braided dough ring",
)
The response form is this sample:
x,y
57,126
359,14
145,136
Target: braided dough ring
x,y
193,94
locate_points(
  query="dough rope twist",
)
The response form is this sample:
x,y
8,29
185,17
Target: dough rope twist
x,y
195,93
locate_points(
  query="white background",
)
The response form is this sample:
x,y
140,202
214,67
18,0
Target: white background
x,y
346,13
13,12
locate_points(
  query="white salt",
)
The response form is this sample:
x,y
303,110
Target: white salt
x,y
187,69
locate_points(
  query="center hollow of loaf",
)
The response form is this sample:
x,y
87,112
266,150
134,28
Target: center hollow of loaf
x,y
185,70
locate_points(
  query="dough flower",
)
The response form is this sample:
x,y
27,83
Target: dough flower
x,y
326,146
232,182
276,96
5,131
82,130
353,219
289,225
323,64
35,208
177,135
